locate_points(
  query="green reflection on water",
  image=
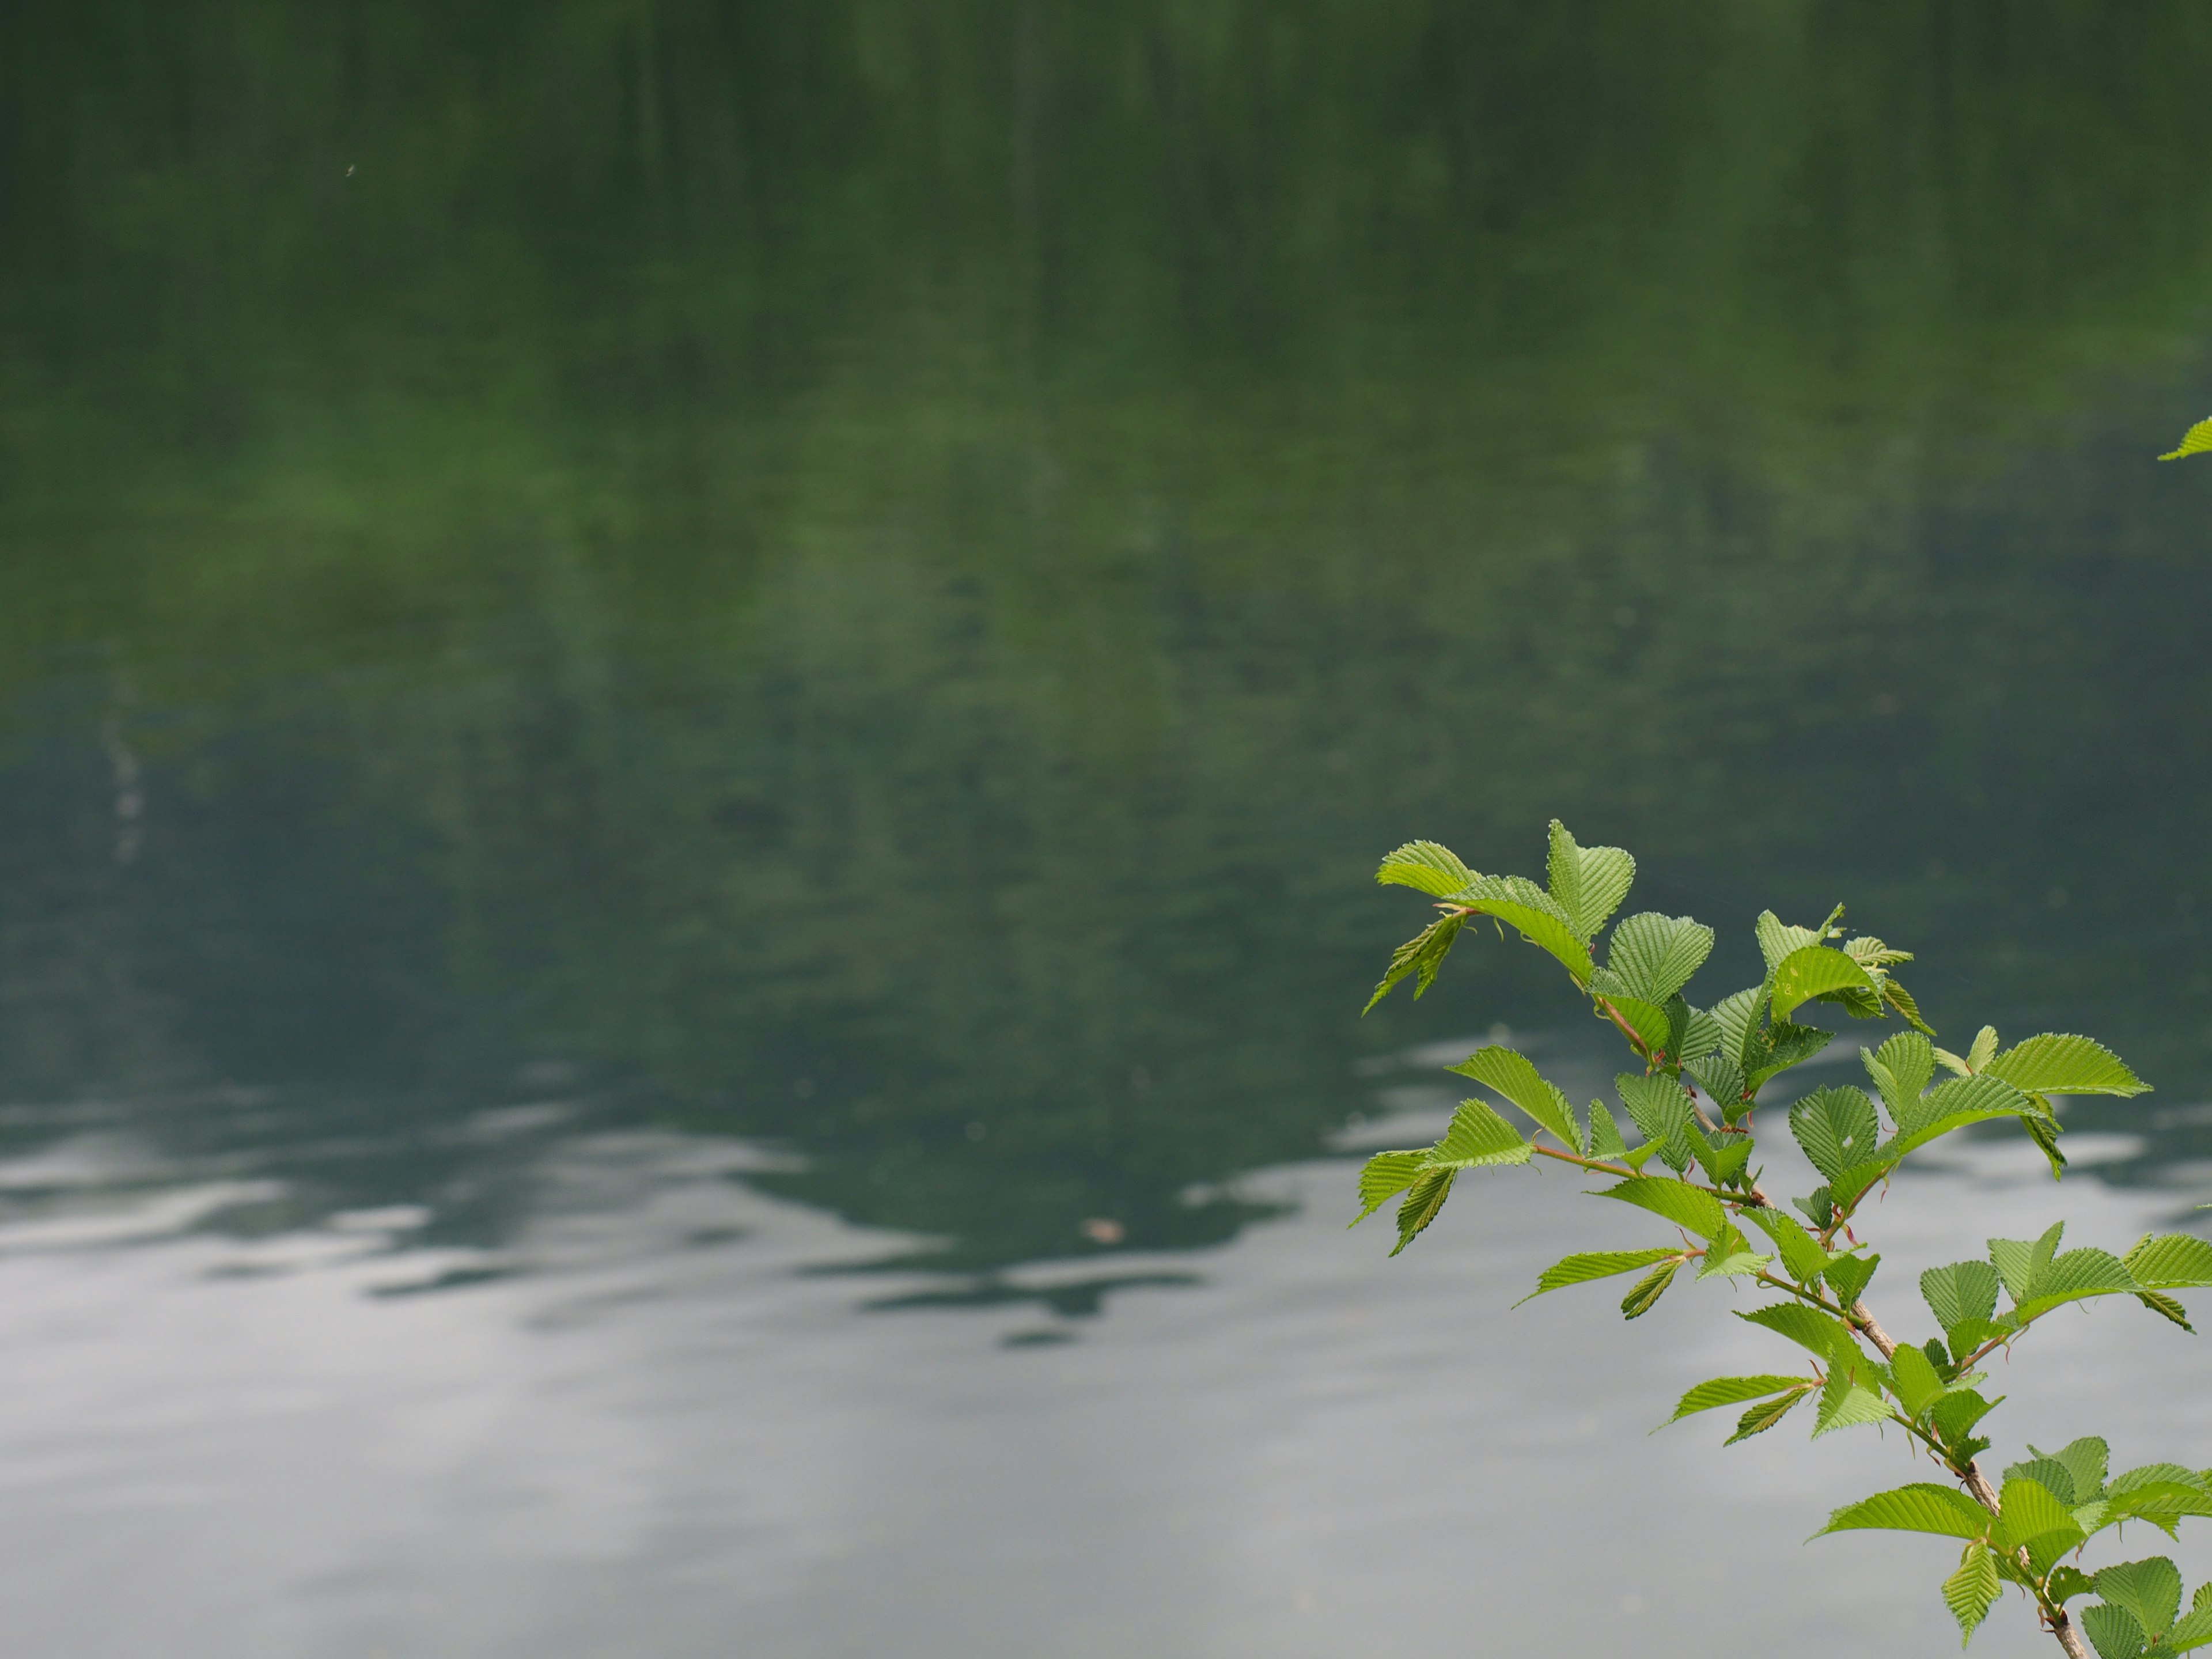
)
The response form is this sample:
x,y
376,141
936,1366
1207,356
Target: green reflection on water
x,y
878,577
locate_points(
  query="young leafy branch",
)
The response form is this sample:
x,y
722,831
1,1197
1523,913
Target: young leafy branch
x,y
1690,1103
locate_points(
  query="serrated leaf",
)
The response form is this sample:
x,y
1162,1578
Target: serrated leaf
x,y
1836,1127
1649,1021
1759,1418
1803,1257
1702,1035
1781,1047
1729,1255
1655,956
1434,869
1421,955
1901,1069
1660,1109
1515,1076
1963,1098
1902,1000
1956,1414
1605,1139
1423,1199
1848,1276
2167,1308
2085,1461
1918,1387
1588,882
2018,1260
1777,940
1648,1289
2112,1630
1520,903
1920,1507
1721,1080
2053,1475
2196,440
1385,1175
1816,971
1596,1264
1686,1206
2150,1589
2192,1630
2043,1132
1952,1063
2074,1275
2059,1064
1973,1590
1846,1402
1736,1017
1961,1291
1477,1136
1829,1338
2028,1510
1984,1049
1734,1391
2171,1262
2067,1582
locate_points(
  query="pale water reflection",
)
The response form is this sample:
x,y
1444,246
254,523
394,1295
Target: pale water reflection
x,y
651,1422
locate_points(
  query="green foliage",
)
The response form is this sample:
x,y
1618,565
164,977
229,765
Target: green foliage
x,y
1816,1279
2197,441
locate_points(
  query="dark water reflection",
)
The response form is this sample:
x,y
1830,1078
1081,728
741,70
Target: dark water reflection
x,y
863,585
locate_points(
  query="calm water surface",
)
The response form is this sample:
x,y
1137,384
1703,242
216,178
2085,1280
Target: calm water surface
x,y
697,702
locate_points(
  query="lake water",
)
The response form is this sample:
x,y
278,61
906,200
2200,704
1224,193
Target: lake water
x,y
698,703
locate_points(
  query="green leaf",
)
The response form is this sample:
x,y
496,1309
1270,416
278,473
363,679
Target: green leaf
x,y
1961,1291
2043,1132
1520,903
1734,1391
1435,870
1759,1418
1956,1414
2192,1630
1648,1290
1846,1402
1422,1201
1736,1017
2195,442
2085,1462
1902,1000
2018,1262
1778,941
1654,956
1588,882
1952,1063
2056,1064
2051,1473
1901,1069
2113,1631
1722,1079
1836,1127
1984,1050
1605,1139
1829,1338
1729,1255
1596,1264
1514,1076
1385,1176
1686,1206
1804,1259
1660,1109
2066,1583
1848,1276
1780,1046
1816,971
1477,1137
2030,1510
1973,1590
2077,1274
1920,1507
1650,1022
1918,1387
2167,1308
2150,1589
1421,955
2171,1262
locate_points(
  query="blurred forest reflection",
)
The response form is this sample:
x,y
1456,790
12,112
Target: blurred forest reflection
x,y
878,577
